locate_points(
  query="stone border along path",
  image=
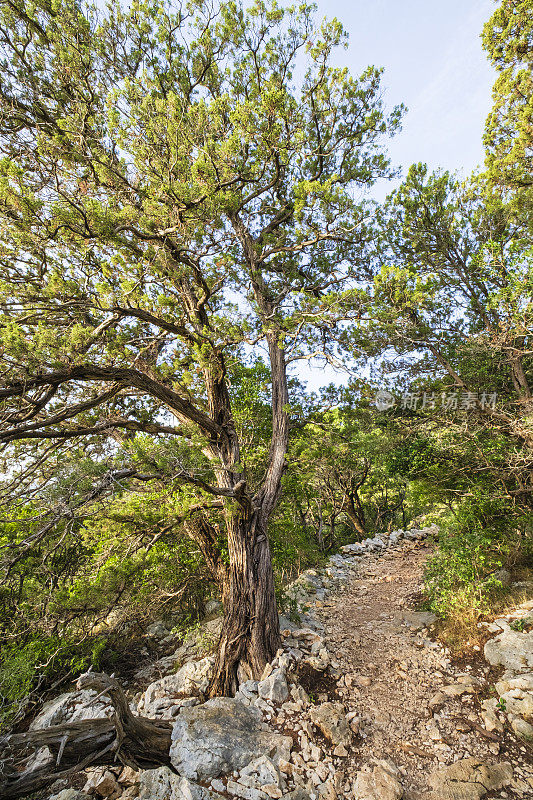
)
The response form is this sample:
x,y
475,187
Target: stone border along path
x,y
359,704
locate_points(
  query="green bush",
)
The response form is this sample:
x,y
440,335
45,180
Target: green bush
x,y
459,579
26,667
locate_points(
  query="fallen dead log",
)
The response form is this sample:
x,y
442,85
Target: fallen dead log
x,y
29,762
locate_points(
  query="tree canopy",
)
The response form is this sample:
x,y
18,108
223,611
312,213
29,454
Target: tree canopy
x,y
180,190
508,40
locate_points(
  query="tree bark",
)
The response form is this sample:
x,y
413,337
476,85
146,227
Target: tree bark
x,y
250,635
356,516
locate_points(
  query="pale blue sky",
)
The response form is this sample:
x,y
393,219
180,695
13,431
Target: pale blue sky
x,y
434,63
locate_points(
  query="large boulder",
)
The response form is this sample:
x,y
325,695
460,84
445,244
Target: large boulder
x,y
72,707
222,736
163,784
512,650
192,679
469,779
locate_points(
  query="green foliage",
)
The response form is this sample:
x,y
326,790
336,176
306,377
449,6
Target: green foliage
x,y
340,478
508,40
179,199
288,605
70,608
458,579
449,315
27,667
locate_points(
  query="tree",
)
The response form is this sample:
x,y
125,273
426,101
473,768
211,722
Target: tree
x,y
450,323
178,193
454,283
508,40
328,467
339,483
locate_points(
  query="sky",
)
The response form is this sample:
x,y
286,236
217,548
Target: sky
x,y
434,63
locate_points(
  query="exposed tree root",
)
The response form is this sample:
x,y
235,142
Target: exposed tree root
x,y
133,741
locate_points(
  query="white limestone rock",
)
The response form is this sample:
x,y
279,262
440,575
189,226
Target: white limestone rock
x,y
274,687
259,772
222,736
419,619
103,783
163,784
512,650
70,794
522,728
517,694
489,715
191,679
330,719
72,707
469,779
158,630
383,783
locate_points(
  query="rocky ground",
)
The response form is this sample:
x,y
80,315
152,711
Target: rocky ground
x,y
415,706
361,703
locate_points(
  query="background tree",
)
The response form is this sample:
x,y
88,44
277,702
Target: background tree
x,y
508,40
178,191
454,281
339,483
450,329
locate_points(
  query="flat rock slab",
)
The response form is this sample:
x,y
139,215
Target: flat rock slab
x,y
512,650
419,619
383,783
72,707
330,719
222,736
469,779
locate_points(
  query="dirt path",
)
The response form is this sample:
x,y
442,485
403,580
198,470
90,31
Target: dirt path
x,y
416,707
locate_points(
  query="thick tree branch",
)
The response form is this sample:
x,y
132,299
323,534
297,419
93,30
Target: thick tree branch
x,y
126,376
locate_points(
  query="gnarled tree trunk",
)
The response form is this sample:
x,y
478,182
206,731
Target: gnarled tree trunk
x,y
250,634
355,515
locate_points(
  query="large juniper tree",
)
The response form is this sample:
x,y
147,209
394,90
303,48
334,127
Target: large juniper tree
x,y
179,188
